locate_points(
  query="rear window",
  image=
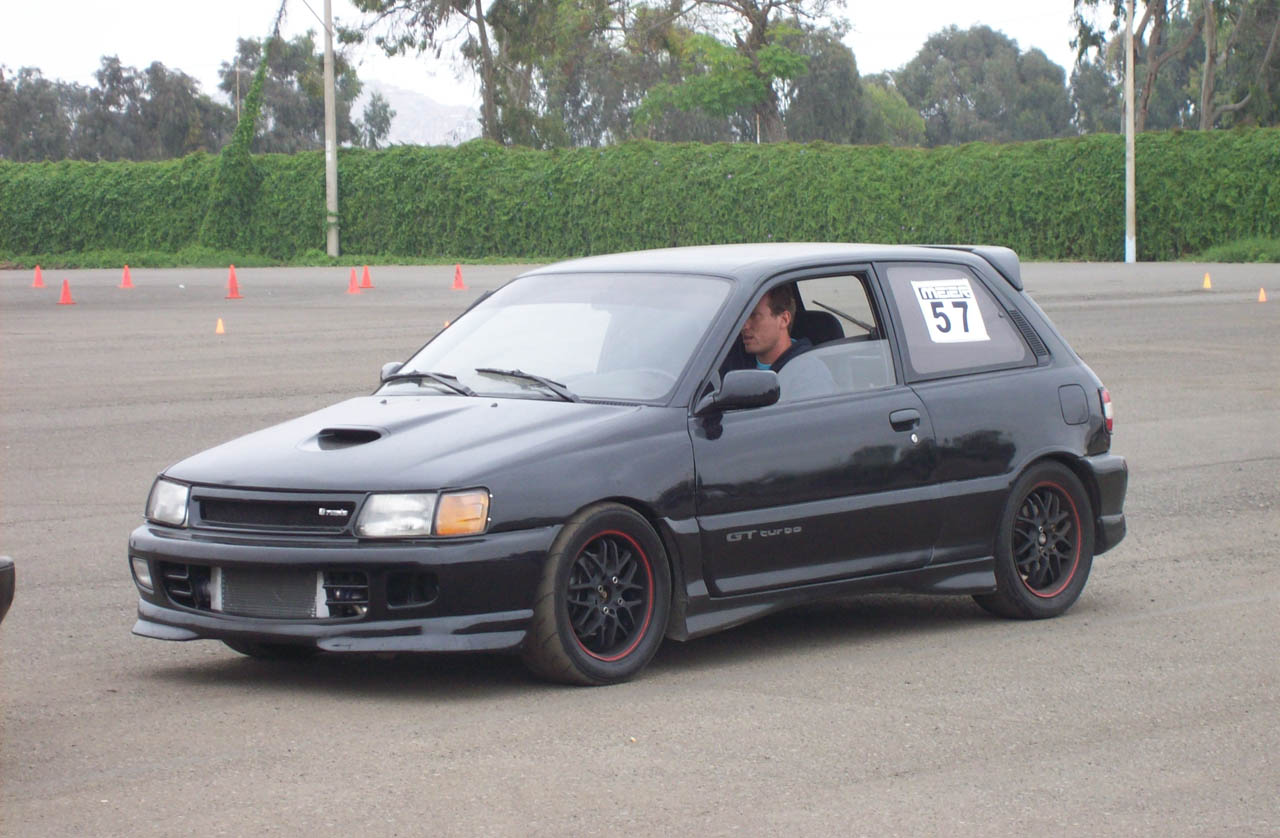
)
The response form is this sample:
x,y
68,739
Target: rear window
x,y
951,323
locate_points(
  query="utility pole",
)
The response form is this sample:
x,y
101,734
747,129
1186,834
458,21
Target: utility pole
x,y
331,137
1130,212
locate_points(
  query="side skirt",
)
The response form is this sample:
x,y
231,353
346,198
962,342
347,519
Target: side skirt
x,y
704,614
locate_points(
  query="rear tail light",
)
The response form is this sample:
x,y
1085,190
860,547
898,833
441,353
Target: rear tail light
x,y
1108,415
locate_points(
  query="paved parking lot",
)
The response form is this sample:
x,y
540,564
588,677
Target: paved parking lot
x,y
1151,708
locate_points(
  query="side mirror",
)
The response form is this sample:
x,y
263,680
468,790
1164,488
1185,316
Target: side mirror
x,y
390,368
741,389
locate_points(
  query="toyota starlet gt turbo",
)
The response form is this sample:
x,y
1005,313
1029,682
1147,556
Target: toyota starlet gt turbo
x,y
616,450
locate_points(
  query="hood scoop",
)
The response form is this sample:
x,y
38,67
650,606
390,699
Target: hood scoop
x,y
332,439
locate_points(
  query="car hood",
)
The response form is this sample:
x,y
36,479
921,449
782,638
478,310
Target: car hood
x,y
403,443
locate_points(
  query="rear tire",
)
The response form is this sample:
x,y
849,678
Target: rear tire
x,y
601,608
1044,547
272,651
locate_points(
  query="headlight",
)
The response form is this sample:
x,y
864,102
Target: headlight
x,y
462,513
396,516
167,503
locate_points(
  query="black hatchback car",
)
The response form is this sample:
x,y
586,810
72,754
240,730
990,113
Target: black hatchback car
x,y
617,449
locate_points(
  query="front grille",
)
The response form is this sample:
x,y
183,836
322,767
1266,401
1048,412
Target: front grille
x,y
271,593
268,592
307,515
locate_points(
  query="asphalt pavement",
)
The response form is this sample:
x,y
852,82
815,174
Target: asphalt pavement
x,y
1151,708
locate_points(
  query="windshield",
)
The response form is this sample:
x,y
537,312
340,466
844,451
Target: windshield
x,y
598,336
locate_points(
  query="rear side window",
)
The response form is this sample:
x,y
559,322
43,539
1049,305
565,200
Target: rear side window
x,y
951,323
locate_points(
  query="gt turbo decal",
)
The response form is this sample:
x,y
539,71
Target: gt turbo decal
x,y
951,313
747,535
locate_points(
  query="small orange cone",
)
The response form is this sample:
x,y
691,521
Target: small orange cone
x,y
353,287
1207,284
365,281
233,287
219,329
126,281
38,282
1262,295
458,284
65,299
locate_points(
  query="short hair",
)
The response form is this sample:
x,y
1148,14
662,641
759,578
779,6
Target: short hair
x,y
782,298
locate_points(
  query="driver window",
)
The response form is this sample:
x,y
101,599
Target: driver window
x,y
848,352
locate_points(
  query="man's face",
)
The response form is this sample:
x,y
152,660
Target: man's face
x,y
765,334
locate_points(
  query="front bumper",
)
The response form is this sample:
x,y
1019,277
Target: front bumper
x,y
1110,475
483,599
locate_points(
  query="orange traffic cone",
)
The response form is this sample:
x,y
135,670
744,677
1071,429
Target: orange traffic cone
x,y
458,284
352,286
65,299
38,282
219,329
126,281
1262,295
365,281
1208,283
233,287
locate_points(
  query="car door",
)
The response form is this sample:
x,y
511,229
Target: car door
x,y
822,487
972,366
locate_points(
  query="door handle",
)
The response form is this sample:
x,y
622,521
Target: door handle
x,y
904,420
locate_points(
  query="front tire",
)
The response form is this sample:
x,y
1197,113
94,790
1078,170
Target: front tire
x,y
1044,548
602,605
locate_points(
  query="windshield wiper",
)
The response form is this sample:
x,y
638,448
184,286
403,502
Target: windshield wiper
x,y
554,386
441,378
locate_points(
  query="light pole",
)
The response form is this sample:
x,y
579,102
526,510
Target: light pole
x,y
1130,220
330,138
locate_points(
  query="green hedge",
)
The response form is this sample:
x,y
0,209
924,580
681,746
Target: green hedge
x,y
1052,199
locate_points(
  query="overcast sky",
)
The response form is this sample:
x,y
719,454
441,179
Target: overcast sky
x,y
66,39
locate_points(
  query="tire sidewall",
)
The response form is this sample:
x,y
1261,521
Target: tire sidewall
x,y
1009,581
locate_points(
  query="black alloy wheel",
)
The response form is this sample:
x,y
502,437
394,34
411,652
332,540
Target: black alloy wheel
x,y
601,609
1044,548
1046,540
610,598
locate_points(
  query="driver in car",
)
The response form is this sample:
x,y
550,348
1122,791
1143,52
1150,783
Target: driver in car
x,y
767,332
767,336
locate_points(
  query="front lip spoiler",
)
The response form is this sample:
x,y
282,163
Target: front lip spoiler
x,y
494,632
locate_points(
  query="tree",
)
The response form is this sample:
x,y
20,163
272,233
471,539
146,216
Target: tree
x,y
37,115
748,68
826,102
887,117
422,26
1096,97
111,126
376,124
976,85
292,117
176,119
1226,81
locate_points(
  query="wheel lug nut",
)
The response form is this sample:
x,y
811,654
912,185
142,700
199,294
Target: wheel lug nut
x,y
615,580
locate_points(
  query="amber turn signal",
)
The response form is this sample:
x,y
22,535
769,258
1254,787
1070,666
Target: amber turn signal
x,y
462,513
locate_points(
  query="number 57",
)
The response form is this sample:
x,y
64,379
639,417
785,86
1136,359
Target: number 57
x,y
945,324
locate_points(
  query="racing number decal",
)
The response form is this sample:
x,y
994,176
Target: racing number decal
x,y
951,313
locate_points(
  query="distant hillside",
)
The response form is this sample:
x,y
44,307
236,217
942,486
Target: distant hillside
x,y
421,120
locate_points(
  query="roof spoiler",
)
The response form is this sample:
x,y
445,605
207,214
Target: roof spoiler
x,y
1004,260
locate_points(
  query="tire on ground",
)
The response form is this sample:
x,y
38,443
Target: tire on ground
x,y
1044,545
601,608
